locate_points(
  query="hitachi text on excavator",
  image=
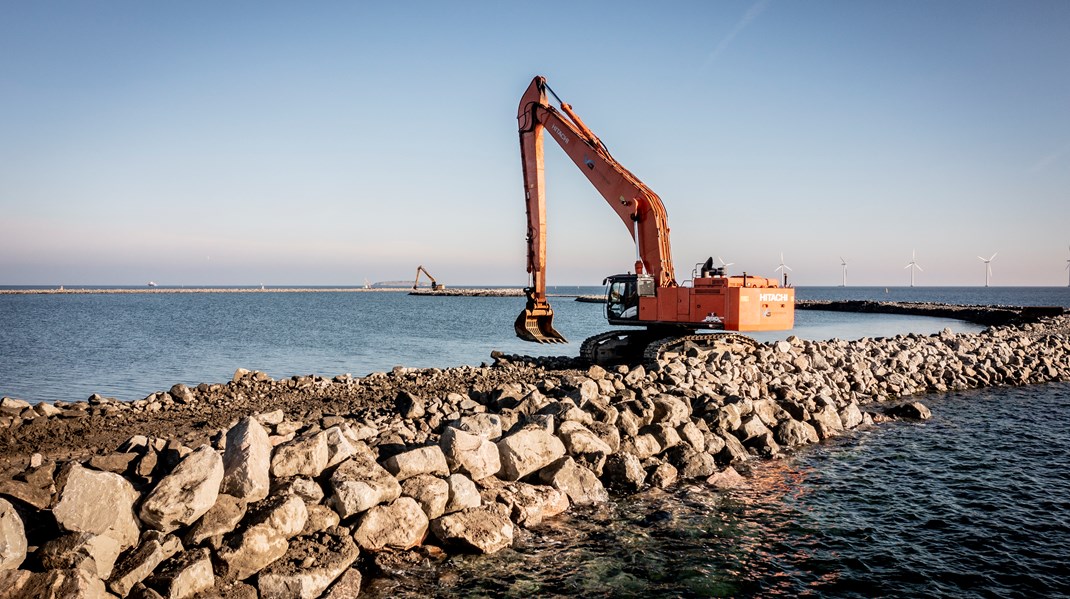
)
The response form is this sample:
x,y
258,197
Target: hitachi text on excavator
x,y
669,314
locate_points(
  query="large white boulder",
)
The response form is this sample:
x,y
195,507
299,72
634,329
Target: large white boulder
x,y
247,461
360,483
578,439
527,451
422,460
431,492
463,494
81,499
471,454
12,537
340,445
398,525
305,456
266,539
187,493
185,575
530,504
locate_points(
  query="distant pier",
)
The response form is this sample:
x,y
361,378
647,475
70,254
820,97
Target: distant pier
x,y
94,290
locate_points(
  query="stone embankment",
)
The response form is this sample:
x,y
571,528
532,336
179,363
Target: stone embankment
x,y
981,314
492,292
281,506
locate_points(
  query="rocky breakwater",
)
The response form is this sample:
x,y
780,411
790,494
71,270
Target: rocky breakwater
x,y
461,292
278,506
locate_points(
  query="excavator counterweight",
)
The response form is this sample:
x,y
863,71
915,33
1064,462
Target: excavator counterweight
x,y
649,297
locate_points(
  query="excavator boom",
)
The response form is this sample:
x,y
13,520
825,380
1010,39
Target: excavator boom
x,y
639,208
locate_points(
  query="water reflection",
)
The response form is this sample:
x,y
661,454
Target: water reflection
x,y
695,541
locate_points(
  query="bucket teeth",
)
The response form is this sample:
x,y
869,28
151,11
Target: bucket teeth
x,y
537,328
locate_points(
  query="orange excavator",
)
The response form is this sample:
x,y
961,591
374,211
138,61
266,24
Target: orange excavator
x,y
669,314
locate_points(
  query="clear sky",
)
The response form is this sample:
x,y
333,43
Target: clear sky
x,y
220,143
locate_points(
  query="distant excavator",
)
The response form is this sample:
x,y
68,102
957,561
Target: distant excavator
x,y
668,313
434,284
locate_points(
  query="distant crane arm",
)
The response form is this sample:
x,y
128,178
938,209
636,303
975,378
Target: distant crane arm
x,y
420,269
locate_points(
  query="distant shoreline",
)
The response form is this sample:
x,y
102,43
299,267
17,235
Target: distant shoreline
x,y
458,292
79,290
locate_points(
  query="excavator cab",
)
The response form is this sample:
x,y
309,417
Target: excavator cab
x,y
536,322
622,298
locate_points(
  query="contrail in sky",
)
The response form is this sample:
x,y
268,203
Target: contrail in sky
x,y
752,13
1046,161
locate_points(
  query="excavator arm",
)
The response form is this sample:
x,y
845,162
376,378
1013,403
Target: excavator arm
x,y
639,208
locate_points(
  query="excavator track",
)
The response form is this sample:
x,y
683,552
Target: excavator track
x,y
670,347
613,347
647,347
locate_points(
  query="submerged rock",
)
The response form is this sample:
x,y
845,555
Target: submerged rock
x,y
914,410
486,529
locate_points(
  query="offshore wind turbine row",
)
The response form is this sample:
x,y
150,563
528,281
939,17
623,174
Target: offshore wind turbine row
x,y
913,266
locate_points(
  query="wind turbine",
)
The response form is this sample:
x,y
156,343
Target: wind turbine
x,y
843,263
1068,272
913,264
783,267
723,263
988,266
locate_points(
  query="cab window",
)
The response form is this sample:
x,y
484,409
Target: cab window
x,y
622,301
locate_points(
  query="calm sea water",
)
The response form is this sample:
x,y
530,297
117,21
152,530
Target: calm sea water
x,y
67,347
973,503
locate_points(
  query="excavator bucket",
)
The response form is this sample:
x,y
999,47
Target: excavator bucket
x,y
536,323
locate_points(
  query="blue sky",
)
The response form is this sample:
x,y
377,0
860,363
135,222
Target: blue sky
x,y
246,143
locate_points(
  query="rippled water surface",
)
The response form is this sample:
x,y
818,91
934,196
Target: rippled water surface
x,y
67,347
973,503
